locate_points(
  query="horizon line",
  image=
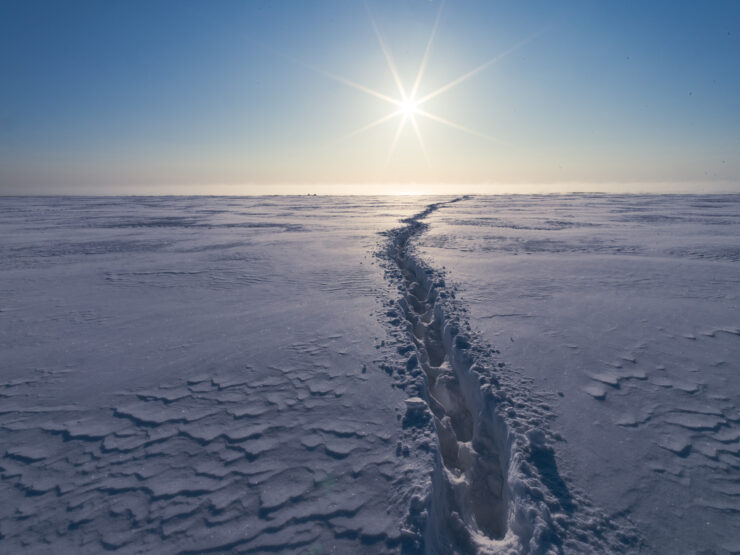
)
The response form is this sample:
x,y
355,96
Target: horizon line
x,y
401,194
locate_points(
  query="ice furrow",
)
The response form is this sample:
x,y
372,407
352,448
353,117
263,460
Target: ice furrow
x,y
471,474
495,486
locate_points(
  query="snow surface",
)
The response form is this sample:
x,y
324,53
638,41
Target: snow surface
x,y
369,374
624,311
192,374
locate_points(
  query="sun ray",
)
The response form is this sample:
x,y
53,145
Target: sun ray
x,y
425,59
421,141
330,75
357,86
459,127
387,54
407,105
401,125
468,75
370,125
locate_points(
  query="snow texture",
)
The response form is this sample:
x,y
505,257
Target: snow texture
x,y
200,374
496,486
369,375
624,313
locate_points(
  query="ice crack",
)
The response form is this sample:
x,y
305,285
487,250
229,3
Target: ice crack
x,y
495,486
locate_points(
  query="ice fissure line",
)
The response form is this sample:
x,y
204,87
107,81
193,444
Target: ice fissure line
x,y
495,486
472,505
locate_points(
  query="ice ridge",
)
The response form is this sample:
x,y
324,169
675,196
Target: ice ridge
x,y
495,487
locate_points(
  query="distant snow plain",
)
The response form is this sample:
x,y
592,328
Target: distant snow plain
x,y
526,374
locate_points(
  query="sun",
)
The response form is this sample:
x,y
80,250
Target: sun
x,y
407,106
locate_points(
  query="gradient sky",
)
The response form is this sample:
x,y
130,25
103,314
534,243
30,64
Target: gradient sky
x,y
167,97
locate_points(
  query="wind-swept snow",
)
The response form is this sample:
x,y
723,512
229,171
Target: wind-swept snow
x,y
197,374
366,375
624,312
496,486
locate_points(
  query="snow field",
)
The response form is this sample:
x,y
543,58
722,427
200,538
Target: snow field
x,y
623,311
197,374
481,374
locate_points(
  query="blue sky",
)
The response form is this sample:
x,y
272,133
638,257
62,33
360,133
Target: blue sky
x,y
236,97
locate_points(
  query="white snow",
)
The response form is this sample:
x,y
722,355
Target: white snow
x,y
200,373
371,374
624,311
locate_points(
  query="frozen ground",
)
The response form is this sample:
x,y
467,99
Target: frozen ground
x,y
625,311
193,374
302,374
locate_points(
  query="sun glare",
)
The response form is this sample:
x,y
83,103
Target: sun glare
x,y
408,103
408,107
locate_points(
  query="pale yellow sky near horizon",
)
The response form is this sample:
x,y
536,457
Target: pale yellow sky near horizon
x,y
381,97
389,189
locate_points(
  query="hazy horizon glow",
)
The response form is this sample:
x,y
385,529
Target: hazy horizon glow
x,y
344,98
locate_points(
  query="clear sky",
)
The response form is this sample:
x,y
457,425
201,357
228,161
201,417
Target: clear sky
x,y
167,97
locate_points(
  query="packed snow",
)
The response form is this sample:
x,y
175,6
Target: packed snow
x,y
625,313
194,374
370,374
